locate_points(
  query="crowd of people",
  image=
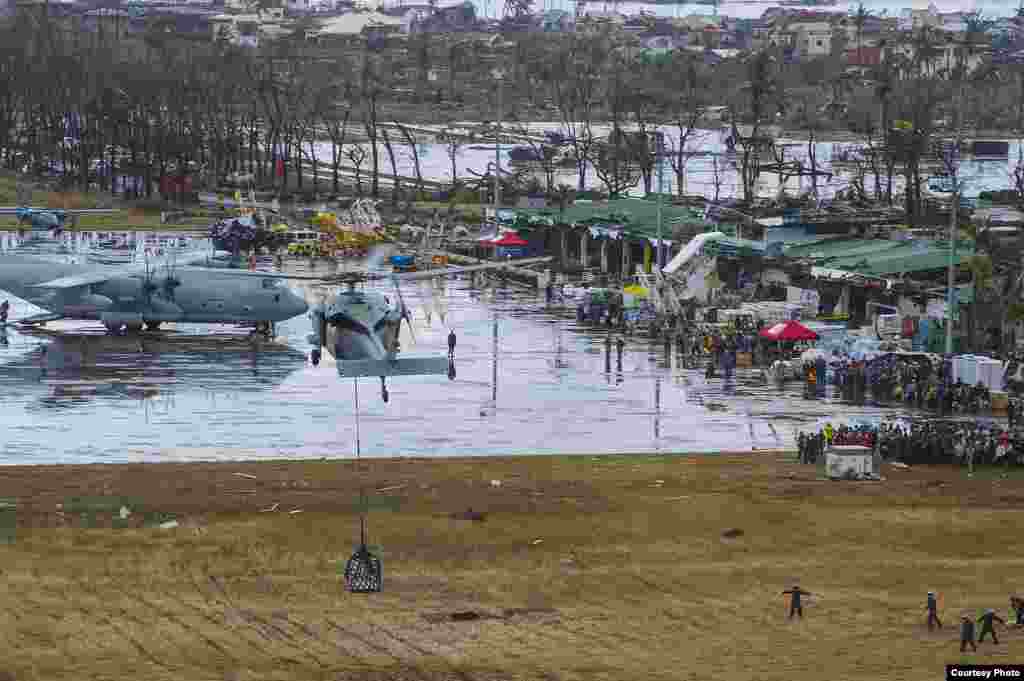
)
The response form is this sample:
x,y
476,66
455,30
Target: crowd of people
x,y
966,444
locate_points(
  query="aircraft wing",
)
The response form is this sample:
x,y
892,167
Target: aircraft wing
x,y
231,271
101,275
429,274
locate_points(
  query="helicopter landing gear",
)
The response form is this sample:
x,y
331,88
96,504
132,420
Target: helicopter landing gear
x,y
265,329
383,390
133,328
113,328
152,326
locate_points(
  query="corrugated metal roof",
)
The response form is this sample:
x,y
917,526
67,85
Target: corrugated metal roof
x,y
880,256
639,217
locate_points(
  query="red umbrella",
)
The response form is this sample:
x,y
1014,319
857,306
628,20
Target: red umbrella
x,y
789,331
510,239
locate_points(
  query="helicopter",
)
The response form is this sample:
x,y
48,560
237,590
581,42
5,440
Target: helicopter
x,y
360,328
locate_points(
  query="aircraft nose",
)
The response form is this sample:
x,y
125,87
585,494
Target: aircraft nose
x,y
296,305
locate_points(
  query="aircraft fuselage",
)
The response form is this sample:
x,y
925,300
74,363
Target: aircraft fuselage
x,y
198,297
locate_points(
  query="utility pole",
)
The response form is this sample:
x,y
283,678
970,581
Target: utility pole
x,y
954,167
494,364
658,137
500,75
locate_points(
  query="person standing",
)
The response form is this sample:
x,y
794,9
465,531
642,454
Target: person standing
x,y
932,607
967,634
987,627
1017,605
4,309
451,344
795,604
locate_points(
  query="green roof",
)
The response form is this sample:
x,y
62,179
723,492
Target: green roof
x,y
880,256
639,217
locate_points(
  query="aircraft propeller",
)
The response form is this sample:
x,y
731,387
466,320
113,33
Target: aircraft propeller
x,y
171,282
148,287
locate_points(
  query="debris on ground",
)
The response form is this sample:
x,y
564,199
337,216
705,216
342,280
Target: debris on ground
x,y
470,514
246,475
169,525
732,533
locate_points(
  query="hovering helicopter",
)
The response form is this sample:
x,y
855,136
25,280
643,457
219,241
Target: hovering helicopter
x,y
51,220
360,328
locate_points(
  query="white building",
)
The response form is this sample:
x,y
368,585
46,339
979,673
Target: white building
x,y
812,39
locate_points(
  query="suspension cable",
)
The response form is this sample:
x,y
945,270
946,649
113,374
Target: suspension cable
x,y
362,482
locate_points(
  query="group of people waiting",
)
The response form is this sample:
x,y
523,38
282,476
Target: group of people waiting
x,y
922,443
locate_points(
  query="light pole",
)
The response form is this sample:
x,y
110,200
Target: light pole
x,y
499,75
953,220
659,146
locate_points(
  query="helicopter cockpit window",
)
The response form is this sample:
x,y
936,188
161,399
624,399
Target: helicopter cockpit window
x,y
272,283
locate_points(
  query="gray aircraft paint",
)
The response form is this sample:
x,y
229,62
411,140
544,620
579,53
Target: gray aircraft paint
x,y
202,296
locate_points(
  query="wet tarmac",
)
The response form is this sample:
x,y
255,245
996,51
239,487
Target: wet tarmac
x,y
73,394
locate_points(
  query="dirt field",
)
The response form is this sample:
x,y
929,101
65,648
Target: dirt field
x,y
573,568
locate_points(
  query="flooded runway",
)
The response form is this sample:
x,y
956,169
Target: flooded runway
x,y
73,394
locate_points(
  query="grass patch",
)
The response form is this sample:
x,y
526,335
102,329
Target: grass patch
x,y
582,568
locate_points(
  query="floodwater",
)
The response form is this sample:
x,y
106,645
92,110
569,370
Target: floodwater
x,y
711,173
205,393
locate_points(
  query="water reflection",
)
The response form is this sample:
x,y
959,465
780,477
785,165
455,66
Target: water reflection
x,y
76,369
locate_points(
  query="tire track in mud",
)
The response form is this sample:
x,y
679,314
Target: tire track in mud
x,y
145,654
461,675
219,623
167,614
376,647
86,588
279,634
37,607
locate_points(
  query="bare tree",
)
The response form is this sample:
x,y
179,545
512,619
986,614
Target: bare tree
x,y
574,74
357,155
757,103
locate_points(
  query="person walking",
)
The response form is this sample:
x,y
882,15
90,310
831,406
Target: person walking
x,y
967,634
987,627
932,607
795,604
451,344
1017,605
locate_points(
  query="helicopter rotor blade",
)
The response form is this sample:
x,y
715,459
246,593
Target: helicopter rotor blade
x,y
404,310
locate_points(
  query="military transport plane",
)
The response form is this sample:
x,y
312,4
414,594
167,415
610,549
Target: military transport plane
x,y
147,294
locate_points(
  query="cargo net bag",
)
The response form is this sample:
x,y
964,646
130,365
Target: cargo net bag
x,y
363,569
363,572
